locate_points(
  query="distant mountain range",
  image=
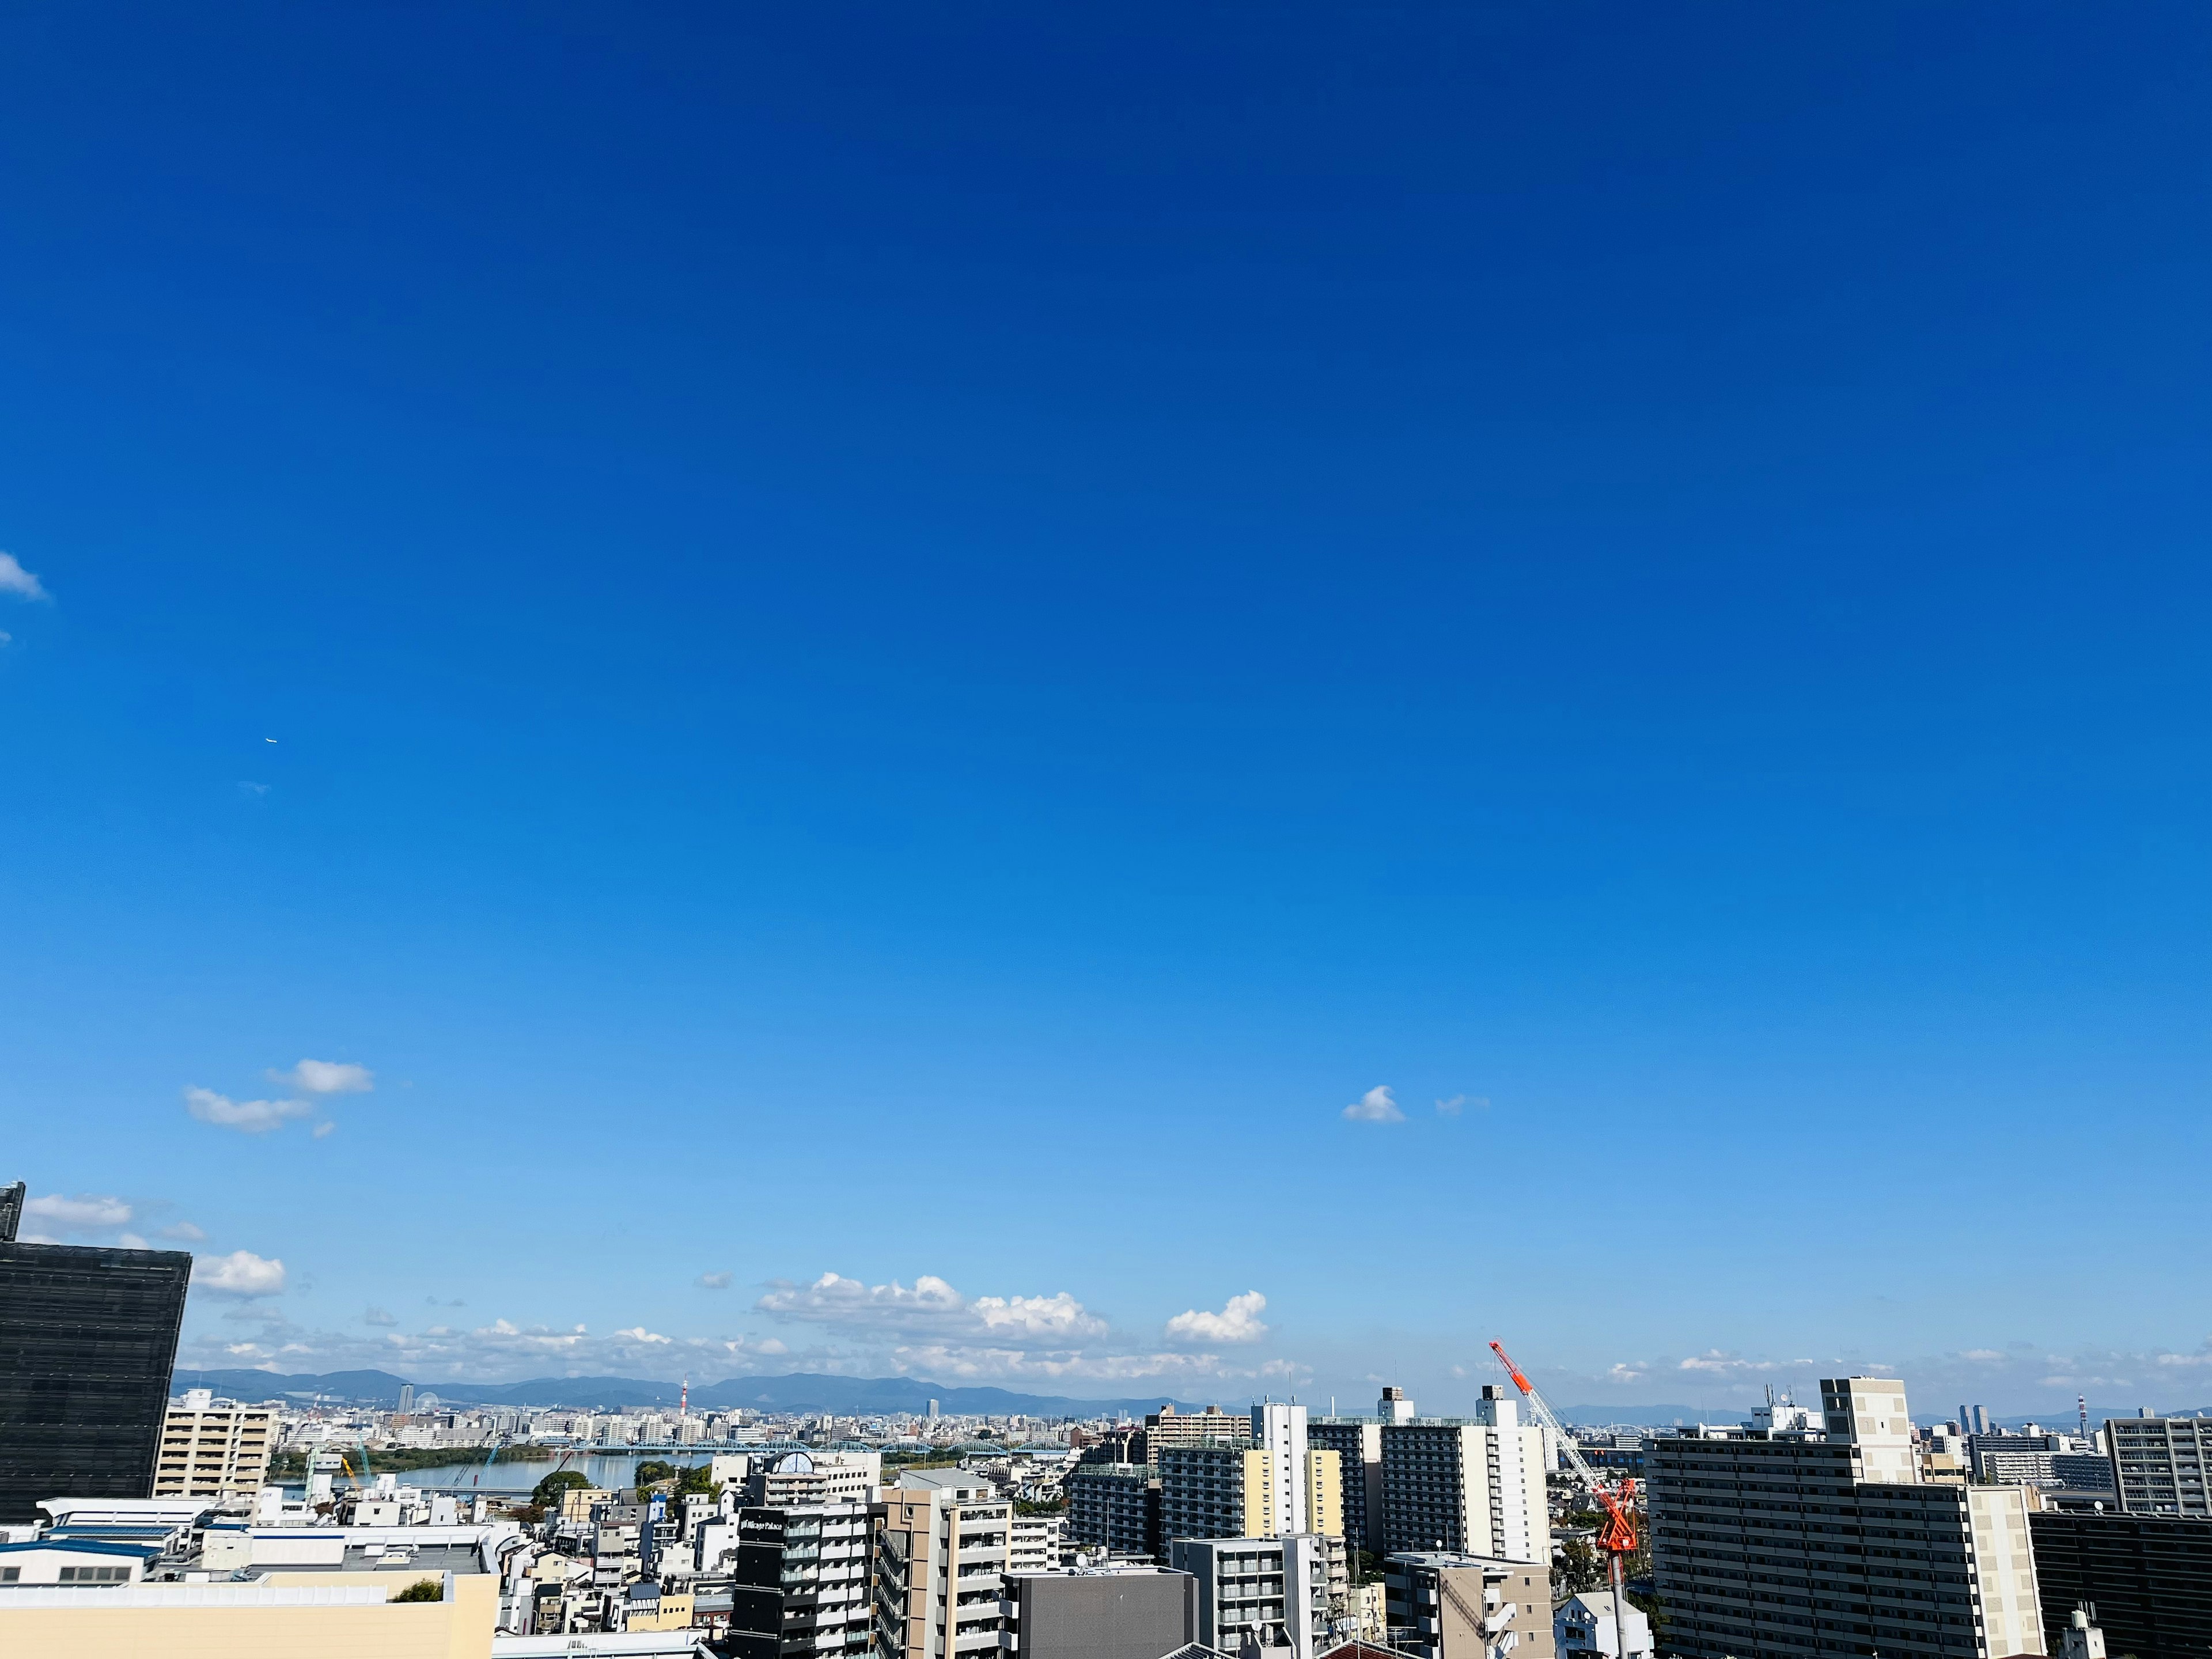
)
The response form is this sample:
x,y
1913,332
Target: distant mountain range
x,y
798,1391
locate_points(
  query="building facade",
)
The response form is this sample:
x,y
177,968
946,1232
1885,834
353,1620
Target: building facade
x,y
1767,1544
801,1585
2148,1577
1243,1492
1115,1507
1357,1443
88,1339
941,1572
1471,1485
2160,1464
1444,1604
1116,1613
1274,1591
1168,1427
213,1448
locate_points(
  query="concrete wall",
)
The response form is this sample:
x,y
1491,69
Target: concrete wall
x,y
1106,1615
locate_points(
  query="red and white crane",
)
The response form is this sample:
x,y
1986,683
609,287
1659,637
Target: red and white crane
x,y
1616,1538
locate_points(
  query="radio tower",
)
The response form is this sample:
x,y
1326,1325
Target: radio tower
x,y
2082,1404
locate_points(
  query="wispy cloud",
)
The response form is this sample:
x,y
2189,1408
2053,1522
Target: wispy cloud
x,y
713,1281
13,579
327,1077
1376,1106
253,1117
1457,1104
930,1306
1239,1322
379,1316
82,1214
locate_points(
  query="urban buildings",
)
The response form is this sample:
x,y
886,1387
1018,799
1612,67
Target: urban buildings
x,y
1582,1627
87,1337
1275,1591
1110,1613
1357,1443
801,1584
1794,1542
1243,1492
1473,1485
1036,1543
941,1566
213,1448
1116,1507
2159,1465
2148,1577
1168,1427
1446,1604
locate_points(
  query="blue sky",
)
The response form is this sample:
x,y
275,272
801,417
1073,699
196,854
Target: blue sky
x,y
869,663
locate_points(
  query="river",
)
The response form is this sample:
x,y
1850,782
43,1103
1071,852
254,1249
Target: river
x,y
612,1471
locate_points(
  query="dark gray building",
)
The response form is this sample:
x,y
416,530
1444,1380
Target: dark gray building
x,y
1769,1548
1115,1507
2160,1464
88,1339
2148,1577
800,1587
1121,1613
1202,1492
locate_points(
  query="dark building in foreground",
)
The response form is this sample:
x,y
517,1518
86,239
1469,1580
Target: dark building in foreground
x,y
2149,1576
87,1337
1124,1612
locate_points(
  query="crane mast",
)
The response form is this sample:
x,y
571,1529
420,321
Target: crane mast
x,y
1618,1536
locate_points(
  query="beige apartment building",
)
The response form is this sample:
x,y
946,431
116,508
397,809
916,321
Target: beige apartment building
x,y
941,1561
213,1448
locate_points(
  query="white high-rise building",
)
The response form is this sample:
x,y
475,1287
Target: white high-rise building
x,y
1470,1486
1279,1434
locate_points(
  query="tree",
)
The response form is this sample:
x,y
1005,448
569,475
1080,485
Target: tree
x,y
651,1473
422,1590
547,1493
697,1477
1579,1570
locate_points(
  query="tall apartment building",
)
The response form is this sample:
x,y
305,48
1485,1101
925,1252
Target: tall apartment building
x,y
88,1339
2150,1577
2160,1464
1168,1427
1804,1544
1115,1507
1274,1591
941,1554
213,1448
801,1585
1471,1485
1447,1605
1357,1443
1238,1491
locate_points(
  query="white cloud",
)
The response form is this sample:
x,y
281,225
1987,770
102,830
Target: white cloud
x,y
1716,1363
185,1232
640,1335
239,1273
253,1117
930,1306
1458,1103
13,579
713,1281
377,1316
323,1131
1376,1106
82,1214
1239,1322
327,1077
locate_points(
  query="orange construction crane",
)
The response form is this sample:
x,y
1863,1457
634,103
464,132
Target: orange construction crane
x,y
1616,1538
